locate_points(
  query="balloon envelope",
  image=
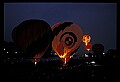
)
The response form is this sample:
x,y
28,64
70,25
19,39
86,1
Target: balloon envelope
x,y
98,48
33,37
86,39
88,46
67,38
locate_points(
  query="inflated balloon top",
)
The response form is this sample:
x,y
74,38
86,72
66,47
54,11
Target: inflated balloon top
x,y
98,48
86,39
33,36
67,39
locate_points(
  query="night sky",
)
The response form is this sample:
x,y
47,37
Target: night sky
x,y
99,20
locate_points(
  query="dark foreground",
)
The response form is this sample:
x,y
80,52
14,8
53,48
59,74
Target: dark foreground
x,y
76,69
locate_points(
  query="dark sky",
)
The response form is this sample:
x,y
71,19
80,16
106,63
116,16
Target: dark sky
x,y
99,20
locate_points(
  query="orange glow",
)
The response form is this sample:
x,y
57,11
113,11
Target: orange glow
x,y
64,53
67,38
65,60
88,46
36,58
86,39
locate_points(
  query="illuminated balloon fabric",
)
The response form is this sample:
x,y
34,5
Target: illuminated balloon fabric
x,y
33,37
86,39
65,59
88,46
67,38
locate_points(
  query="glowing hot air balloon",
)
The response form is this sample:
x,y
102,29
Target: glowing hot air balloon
x,y
67,39
88,46
86,39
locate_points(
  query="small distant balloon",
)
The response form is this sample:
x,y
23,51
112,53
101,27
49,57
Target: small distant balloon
x,y
88,46
86,39
98,48
67,39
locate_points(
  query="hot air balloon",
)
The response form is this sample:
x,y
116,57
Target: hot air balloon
x,y
98,48
67,39
88,46
34,37
86,39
